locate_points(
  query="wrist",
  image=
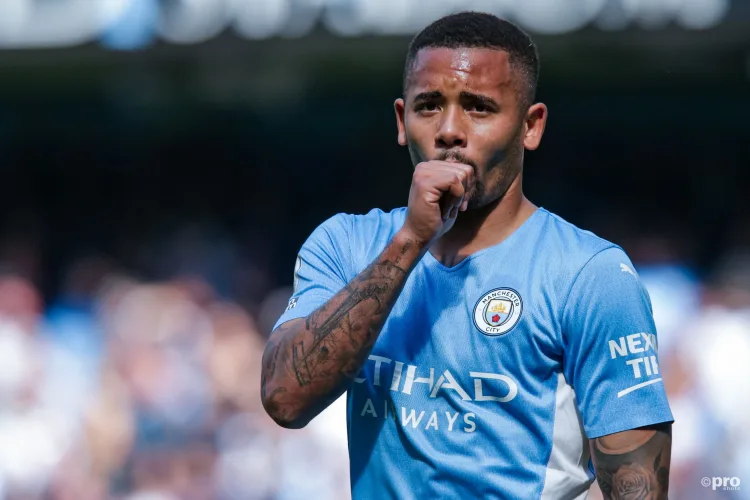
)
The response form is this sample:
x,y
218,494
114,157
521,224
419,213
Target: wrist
x,y
407,240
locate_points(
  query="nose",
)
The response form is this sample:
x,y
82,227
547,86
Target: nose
x,y
451,133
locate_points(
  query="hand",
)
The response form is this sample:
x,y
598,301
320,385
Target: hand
x,y
438,192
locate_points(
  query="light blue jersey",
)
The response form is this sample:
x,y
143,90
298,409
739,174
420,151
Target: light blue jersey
x,y
489,376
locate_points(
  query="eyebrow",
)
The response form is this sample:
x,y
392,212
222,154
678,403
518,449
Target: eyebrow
x,y
428,96
464,96
479,99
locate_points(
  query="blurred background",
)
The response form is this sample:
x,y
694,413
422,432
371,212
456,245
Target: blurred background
x,y
162,161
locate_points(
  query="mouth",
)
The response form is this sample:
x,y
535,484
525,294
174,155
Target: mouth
x,y
456,157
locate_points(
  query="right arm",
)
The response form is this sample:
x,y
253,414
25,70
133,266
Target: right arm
x,y
309,362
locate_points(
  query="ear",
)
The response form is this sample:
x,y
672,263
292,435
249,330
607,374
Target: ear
x,y
536,121
400,108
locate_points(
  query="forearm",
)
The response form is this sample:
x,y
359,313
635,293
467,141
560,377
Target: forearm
x,y
634,465
310,362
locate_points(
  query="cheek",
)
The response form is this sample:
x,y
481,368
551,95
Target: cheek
x,y
419,138
500,139
419,130
498,132
492,146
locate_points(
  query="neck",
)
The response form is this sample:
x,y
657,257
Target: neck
x,y
483,227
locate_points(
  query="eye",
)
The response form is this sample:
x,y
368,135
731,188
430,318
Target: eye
x,y
428,107
479,108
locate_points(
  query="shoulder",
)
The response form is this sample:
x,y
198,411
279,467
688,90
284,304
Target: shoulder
x,y
581,242
374,222
371,232
378,221
576,250
361,237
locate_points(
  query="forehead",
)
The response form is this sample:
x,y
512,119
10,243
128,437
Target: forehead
x,y
479,69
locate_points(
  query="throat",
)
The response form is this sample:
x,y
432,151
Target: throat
x,y
452,259
477,234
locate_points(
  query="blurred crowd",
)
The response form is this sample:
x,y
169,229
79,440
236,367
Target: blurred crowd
x,y
123,388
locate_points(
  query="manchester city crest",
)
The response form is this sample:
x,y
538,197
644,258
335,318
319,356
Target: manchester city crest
x,y
498,311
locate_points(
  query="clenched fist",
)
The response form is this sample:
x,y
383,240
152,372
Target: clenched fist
x,y
438,193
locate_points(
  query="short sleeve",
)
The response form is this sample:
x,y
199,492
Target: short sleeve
x,y
610,344
320,270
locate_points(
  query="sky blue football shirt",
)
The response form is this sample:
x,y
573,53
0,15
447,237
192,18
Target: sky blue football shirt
x,y
489,376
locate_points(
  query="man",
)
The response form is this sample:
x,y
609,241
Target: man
x,y
489,348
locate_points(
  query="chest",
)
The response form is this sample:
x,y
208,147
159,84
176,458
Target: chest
x,y
474,319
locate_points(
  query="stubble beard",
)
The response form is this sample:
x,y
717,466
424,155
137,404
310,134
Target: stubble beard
x,y
504,171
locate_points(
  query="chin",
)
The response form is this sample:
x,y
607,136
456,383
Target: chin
x,y
476,202
478,198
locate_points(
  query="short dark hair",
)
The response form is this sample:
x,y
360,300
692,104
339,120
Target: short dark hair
x,y
480,30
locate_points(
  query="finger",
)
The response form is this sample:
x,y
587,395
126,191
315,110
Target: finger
x,y
449,163
465,172
447,204
453,198
457,188
463,167
449,179
452,207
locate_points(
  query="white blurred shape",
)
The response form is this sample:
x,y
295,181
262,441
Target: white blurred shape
x,y
14,14
29,450
718,350
194,21
674,297
16,360
152,495
312,3
499,8
37,24
258,20
395,16
552,17
302,19
688,439
112,10
330,427
653,14
702,14
616,15
343,17
247,465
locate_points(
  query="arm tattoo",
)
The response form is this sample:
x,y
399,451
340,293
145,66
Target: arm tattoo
x,y
634,465
309,362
